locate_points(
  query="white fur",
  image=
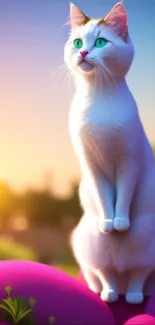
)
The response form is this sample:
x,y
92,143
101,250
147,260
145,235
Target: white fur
x,y
117,190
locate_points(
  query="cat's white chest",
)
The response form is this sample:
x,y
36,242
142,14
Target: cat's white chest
x,y
99,114
102,124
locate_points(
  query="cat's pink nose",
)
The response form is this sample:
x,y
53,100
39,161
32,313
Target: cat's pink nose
x,y
84,53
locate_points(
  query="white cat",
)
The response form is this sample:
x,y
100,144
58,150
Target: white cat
x,y
115,239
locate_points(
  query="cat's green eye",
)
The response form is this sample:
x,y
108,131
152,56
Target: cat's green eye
x,y
78,43
100,42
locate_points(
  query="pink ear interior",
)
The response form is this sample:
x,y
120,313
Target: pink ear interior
x,y
76,16
117,19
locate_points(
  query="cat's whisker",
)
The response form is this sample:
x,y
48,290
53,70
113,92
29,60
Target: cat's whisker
x,y
95,80
57,69
66,81
99,78
106,74
60,65
111,75
69,84
106,77
61,73
102,73
95,76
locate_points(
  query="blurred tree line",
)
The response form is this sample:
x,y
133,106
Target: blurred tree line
x,y
41,207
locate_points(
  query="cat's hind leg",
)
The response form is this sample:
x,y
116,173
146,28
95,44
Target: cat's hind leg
x,y
92,279
109,285
86,198
134,294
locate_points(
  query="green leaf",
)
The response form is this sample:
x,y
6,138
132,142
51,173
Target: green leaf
x,y
15,304
22,315
8,290
9,305
21,303
3,307
32,302
10,300
20,308
51,320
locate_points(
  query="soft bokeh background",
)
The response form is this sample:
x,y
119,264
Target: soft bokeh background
x,y
39,172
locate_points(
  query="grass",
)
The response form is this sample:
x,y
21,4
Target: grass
x,y
69,269
10,250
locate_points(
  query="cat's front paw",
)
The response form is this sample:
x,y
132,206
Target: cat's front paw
x,y
134,297
106,225
109,295
121,224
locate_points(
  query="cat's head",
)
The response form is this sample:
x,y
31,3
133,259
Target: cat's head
x,y
100,45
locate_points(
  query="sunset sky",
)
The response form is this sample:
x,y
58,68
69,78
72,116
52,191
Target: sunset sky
x,y
34,105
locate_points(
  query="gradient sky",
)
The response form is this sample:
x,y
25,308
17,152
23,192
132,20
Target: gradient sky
x,y
34,105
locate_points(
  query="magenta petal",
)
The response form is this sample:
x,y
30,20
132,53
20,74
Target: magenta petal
x,y
56,294
141,320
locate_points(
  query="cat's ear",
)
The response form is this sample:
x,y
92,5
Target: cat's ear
x,y
77,17
117,19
